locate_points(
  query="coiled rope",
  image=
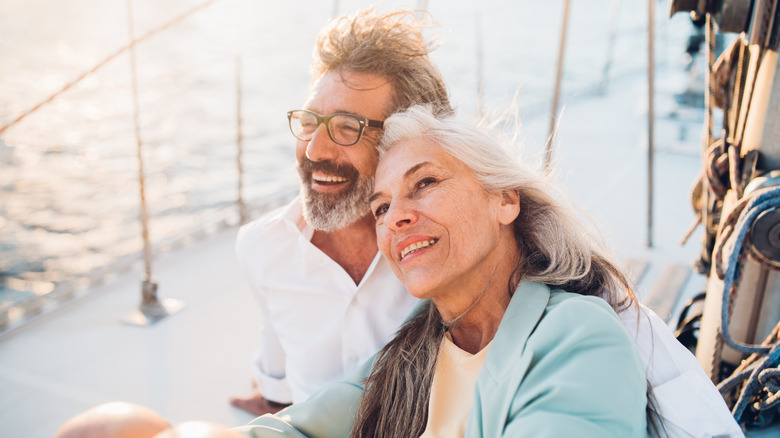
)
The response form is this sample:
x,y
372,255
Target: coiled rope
x,y
755,205
763,375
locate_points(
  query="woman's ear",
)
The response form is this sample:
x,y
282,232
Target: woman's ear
x,y
509,207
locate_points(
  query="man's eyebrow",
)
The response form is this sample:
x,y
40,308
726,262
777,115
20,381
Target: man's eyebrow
x,y
336,111
408,173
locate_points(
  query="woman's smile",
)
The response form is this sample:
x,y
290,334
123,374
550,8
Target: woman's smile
x,y
413,245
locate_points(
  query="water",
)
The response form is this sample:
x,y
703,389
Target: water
x,y
69,194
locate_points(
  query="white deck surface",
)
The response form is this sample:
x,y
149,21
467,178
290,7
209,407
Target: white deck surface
x,y
184,367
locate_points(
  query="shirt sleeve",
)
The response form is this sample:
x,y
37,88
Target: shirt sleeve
x,y
688,403
584,378
268,363
328,413
268,366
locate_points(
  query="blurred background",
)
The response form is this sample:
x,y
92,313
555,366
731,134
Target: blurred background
x,y
69,183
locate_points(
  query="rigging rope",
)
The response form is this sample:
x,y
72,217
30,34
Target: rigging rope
x,y
762,375
105,61
753,206
758,377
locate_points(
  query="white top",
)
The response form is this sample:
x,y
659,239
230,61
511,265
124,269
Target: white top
x,y
689,405
452,390
318,324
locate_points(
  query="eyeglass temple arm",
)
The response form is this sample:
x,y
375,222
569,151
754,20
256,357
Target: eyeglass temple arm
x,y
375,123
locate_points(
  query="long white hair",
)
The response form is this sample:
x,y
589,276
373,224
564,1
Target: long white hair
x,y
554,249
557,249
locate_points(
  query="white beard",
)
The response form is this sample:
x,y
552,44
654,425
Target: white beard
x,y
327,212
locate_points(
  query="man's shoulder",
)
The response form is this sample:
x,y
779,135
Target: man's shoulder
x,y
274,228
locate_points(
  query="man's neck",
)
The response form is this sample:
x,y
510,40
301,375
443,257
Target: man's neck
x,y
353,247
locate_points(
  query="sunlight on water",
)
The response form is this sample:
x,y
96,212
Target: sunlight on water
x,y
69,185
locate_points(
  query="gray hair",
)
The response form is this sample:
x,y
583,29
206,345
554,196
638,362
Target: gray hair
x,y
386,44
554,249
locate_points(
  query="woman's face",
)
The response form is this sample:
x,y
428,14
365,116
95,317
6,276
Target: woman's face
x,y
435,223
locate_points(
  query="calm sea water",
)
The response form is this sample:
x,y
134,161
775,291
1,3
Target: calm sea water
x,y
69,194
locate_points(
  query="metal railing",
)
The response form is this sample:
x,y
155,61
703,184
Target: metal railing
x,y
236,210
46,296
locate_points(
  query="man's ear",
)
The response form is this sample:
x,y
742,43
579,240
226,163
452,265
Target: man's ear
x,y
509,207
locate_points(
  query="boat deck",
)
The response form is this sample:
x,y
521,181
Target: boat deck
x,y
186,366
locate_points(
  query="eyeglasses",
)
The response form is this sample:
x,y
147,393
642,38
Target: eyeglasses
x,y
344,129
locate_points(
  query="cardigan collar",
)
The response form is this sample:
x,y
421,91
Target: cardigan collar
x,y
520,318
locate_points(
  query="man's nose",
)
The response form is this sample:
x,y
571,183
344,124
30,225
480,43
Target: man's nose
x,y
321,147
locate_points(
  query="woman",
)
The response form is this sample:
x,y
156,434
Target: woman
x,y
518,335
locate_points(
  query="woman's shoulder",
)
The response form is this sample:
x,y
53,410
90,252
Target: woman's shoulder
x,y
571,317
578,370
588,306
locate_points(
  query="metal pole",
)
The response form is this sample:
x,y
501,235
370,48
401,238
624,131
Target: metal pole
x,y
710,38
139,151
151,309
613,25
242,210
650,115
480,68
557,90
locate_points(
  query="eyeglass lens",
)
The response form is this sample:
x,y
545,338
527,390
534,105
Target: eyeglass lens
x,y
343,128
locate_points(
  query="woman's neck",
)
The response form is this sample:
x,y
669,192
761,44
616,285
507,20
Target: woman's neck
x,y
473,329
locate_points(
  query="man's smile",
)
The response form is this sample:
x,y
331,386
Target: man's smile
x,y
324,179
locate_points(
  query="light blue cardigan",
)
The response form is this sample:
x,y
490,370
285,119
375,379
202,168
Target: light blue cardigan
x,y
560,365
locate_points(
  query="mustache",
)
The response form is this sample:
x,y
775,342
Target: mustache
x,y
343,170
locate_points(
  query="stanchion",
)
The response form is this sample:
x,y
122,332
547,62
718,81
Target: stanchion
x,y
152,309
557,91
243,212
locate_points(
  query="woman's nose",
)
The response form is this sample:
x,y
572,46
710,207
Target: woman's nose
x,y
400,216
321,147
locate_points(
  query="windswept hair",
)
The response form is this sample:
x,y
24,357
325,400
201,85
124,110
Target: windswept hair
x,y
555,249
385,44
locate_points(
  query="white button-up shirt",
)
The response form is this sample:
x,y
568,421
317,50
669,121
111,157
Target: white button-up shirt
x,y
318,325
687,402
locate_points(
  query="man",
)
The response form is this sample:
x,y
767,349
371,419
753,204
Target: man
x,y
329,300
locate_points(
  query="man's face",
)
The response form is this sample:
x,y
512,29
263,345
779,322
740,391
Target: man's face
x,y
336,180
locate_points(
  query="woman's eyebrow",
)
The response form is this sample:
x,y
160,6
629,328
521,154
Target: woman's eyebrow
x,y
374,196
415,168
408,173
